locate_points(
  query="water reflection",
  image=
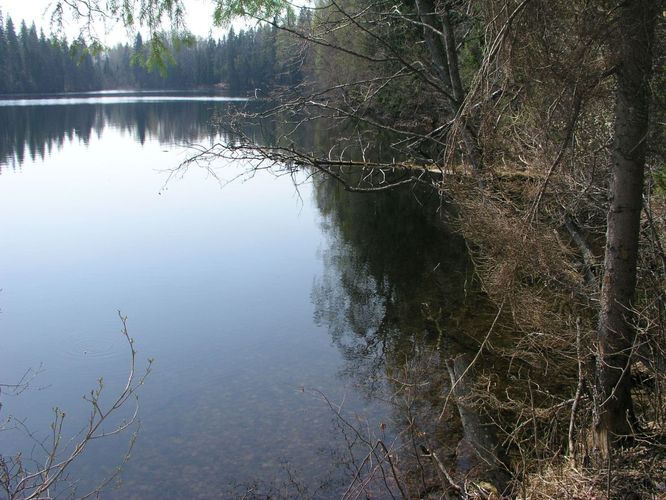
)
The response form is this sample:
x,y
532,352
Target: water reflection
x,y
399,299
228,293
391,260
32,130
216,284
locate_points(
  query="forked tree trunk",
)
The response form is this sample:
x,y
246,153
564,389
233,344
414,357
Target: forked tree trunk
x,y
616,336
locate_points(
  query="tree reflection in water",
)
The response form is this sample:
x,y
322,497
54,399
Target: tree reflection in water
x,y
398,298
397,292
33,131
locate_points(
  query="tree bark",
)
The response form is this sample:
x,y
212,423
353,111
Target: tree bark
x,y
616,335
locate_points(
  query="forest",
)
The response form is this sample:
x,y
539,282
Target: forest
x,y
254,58
540,124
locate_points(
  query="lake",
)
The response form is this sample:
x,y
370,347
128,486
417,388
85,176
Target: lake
x,y
258,299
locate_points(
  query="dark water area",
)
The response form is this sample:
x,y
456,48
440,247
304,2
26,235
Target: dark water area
x,y
254,298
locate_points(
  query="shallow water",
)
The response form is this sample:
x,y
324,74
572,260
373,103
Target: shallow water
x,y
253,297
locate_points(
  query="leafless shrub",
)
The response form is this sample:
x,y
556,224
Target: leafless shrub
x,y
46,473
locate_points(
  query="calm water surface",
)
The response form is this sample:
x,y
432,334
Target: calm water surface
x,y
250,297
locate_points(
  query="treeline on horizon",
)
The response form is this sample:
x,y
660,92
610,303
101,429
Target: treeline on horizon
x,y
262,57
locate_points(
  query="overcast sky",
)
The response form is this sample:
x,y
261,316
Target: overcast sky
x,y
199,18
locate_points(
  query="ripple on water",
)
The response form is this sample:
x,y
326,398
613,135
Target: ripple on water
x,y
79,346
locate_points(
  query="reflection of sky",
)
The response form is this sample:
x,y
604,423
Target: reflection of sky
x,y
113,99
216,284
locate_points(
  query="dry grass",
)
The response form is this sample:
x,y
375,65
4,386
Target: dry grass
x,y
636,472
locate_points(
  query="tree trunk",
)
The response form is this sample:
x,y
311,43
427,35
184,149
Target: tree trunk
x,y
441,42
434,42
616,336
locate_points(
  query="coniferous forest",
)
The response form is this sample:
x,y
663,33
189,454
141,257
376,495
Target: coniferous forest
x,y
254,58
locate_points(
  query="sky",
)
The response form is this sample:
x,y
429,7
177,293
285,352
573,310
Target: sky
x,y
199,19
